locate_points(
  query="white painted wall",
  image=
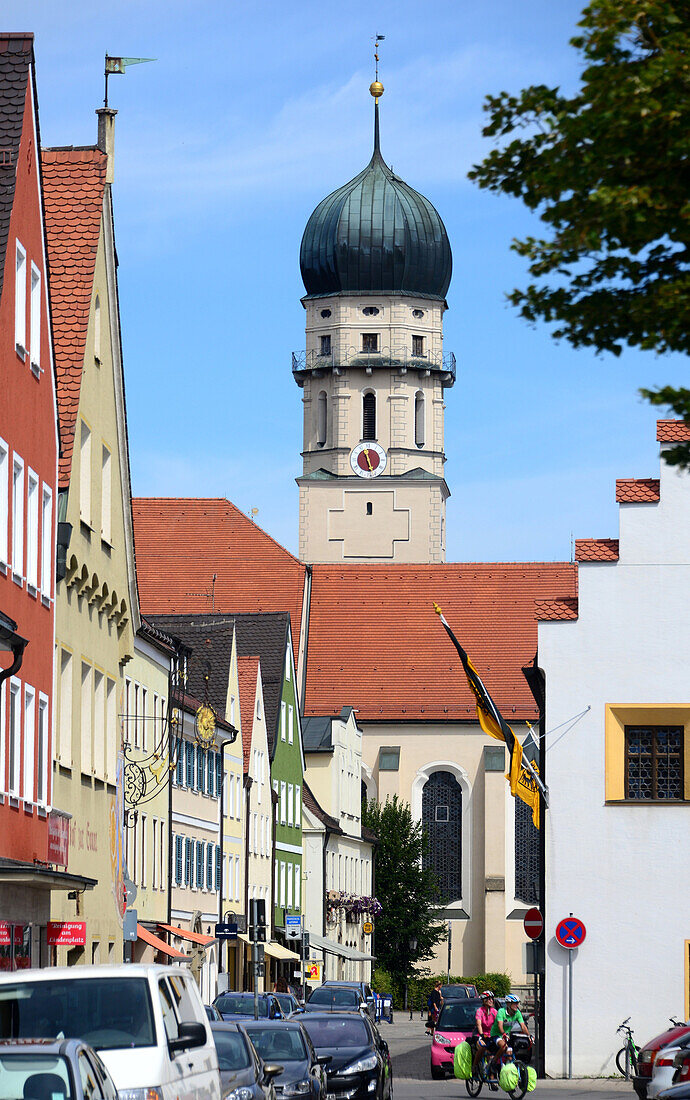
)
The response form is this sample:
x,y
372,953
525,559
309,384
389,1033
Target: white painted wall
x,y
623,868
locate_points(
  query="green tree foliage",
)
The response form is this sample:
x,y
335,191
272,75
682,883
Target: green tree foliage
x,y
608,171
406,892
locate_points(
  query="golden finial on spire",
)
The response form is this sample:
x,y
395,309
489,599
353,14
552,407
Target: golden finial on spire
x,y
376,89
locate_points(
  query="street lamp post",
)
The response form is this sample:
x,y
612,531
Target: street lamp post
x,y
413,948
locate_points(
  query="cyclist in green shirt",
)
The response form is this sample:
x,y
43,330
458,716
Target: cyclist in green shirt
x,y
505,1022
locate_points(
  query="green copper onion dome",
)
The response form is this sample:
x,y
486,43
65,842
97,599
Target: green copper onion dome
x,y
376,235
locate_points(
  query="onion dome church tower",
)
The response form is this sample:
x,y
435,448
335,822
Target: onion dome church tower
x,y
376,265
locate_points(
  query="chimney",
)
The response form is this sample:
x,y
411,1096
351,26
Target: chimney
x,y
106,138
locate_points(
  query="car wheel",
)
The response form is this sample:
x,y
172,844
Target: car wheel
x,y
437,1074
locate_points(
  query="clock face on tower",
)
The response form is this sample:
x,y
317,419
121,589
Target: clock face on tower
x,y
368,459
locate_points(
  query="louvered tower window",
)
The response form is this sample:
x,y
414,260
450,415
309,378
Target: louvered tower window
x,y
369,416
442,821
526,855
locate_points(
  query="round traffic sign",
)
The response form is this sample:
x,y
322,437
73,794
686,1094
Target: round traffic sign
x,y
367,928
571,932
533,924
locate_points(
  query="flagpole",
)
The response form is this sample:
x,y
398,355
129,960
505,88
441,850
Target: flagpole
x,y
536,681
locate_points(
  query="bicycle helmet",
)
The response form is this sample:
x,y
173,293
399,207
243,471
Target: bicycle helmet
x,y
511,999
486,993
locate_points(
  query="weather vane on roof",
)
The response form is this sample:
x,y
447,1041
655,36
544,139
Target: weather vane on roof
x,y
376,88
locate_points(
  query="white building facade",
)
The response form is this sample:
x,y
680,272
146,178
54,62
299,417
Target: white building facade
x,y
619,813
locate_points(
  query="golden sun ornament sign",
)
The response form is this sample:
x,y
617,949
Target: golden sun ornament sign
x,y
205,725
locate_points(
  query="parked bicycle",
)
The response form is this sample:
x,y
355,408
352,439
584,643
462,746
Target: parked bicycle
x,y
485,1074
627,1056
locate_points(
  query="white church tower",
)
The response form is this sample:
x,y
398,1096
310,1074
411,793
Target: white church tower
x,y
376,265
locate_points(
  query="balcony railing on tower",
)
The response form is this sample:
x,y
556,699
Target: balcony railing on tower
x,y
400,359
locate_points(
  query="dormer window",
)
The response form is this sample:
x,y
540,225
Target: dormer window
x,y
370,342
325,345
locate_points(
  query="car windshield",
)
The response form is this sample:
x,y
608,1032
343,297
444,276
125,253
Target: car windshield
x,y
278,1044
327,995
285,1001
232,1050
107,1013
34,1077
236,1004
337,1032
458,1016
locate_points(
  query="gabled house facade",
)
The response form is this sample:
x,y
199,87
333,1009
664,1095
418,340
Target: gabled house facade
x,y
616,666
97,612
338,849
32,857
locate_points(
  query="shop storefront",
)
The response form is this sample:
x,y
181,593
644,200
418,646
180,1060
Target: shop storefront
x,y
28,938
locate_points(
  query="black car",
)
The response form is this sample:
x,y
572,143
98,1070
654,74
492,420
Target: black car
x,y
458,992
363,988
288,1044
240,1006
241,1068
360,1066
288,1003
336,999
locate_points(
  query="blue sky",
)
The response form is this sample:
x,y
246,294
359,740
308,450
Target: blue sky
x,y
253,113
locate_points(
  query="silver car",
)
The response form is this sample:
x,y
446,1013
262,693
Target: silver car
x,y
53,1069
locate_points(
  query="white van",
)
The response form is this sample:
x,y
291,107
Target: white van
x,y
147,1023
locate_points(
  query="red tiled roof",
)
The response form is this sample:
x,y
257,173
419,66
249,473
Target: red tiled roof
x,y
672,431
562,609
247,673
637,490
73,185
182,542
596,549
375,641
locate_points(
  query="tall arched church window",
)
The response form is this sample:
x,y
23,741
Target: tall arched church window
x,y
321,418
442,822
526,855
419,418
369,416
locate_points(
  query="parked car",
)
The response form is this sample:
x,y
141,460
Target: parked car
x,y
212,1012
363,988
682,1063
360,1067
244,1075
62,1069
234,1006
666,1064
455,1023
146,1022
458,992
288,1044
335,999
648,1055
676,1092
289,1004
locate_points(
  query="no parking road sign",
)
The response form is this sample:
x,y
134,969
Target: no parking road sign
x,y
571,932
533,924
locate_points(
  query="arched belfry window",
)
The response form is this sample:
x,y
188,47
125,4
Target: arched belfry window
x,y
369,416
419,418
321,418
442,822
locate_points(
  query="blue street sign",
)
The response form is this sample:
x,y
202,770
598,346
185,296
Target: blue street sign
x,y
289,920
571,932
226,931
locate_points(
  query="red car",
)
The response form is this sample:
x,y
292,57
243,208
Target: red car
x,y
648,1054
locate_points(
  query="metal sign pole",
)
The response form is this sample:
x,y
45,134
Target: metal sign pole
x,y
570,1014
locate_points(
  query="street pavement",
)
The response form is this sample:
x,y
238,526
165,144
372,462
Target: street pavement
x,y
409,1047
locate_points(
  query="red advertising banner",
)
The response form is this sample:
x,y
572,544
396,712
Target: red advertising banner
x,y
66,933
58,839
5,934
